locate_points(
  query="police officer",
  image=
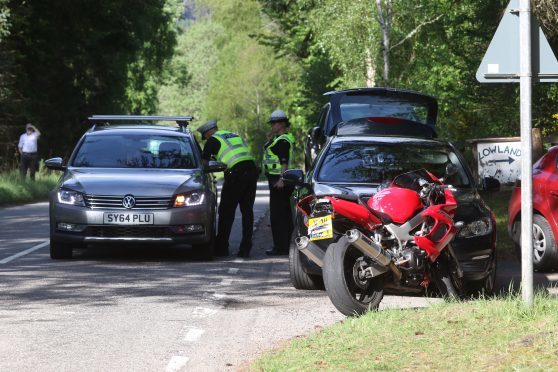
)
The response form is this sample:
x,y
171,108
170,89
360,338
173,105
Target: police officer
x,y
277,158
239,187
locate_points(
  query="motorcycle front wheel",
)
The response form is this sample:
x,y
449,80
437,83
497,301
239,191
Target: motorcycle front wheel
x,y
347,287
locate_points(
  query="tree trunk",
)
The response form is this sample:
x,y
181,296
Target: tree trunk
x,y
538,150
370,70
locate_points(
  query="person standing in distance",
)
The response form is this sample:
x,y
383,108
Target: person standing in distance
x,y
239,187
277,158
27,146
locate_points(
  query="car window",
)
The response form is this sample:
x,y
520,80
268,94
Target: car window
x,y
362,106
365,162
135,151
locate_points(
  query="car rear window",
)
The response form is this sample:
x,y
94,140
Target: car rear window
x,y
365,162
363,106
135,151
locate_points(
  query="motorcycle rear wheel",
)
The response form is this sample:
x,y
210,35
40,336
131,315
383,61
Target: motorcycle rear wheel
x,y
350,294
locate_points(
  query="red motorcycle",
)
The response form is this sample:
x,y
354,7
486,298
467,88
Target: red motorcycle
x,y
397,241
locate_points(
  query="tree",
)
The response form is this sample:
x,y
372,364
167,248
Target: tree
x,y
73,59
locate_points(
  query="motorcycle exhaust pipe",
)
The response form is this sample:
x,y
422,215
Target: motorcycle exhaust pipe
x,y
310,250
373,250
368,247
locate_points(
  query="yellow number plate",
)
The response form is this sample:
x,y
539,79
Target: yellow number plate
x,y
320,228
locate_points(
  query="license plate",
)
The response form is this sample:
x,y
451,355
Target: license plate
x,y
128,218
320,228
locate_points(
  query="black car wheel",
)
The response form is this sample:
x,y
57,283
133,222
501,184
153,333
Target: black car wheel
x,y
60,250
299,278
206,251
484,287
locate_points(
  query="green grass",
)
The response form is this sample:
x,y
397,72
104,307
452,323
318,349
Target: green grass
x,y
14,190
499,335
498,202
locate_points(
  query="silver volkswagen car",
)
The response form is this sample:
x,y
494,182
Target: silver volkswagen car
x,y
134,183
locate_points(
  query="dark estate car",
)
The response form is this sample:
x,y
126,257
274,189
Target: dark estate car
x,y
545,212
134,183
345,105
364,153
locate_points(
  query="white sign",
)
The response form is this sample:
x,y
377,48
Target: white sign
x,y
501,160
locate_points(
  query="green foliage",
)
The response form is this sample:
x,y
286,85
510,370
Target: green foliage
x,y
71,59
499,334
15,190
189,71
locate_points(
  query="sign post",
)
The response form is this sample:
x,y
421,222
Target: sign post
x,y
526,88
519,52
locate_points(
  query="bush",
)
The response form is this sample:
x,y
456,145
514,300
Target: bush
x,y
14,190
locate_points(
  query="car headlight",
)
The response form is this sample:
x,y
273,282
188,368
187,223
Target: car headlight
x,y
476,228
189,199
70,197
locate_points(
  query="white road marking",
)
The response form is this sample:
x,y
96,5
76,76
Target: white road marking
x,y
203,312
23,253
176,363
193,334
219,296
238,260
233,270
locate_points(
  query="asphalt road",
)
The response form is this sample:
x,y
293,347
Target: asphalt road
x,y
146,309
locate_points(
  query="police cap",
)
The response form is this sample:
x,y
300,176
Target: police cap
x,y
211,124
278,115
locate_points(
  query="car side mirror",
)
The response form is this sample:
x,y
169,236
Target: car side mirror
x,y
316,133
293,177
490,184
214,166
55,164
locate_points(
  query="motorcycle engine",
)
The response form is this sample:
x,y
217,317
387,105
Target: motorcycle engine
x,y
411,263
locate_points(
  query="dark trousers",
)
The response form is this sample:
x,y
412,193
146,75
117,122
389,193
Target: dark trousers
x,y
28,160
239,188
280,214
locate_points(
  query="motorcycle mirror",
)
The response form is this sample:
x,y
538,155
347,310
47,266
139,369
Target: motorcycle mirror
x,y
293,177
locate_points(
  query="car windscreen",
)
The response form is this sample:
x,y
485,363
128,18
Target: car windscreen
x,y
363,106
135,151
366,162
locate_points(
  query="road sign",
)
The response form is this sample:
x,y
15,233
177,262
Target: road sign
x,y
501,160
501,63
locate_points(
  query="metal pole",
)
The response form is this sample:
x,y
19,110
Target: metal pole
x,y
526,153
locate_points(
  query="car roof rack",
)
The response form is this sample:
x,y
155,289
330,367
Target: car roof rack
x,y
182,121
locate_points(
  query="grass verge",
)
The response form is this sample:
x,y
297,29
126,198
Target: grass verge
x,y
500,335
14,190
498,202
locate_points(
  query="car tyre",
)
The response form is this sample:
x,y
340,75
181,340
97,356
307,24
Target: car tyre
x,y
60,251
484,287
299,278
545,255
206,251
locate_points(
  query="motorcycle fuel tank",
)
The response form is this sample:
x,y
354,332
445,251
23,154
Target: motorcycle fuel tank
x,y
398,203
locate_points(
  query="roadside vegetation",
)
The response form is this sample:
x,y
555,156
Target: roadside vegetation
x,y
14,190
498,202
497,335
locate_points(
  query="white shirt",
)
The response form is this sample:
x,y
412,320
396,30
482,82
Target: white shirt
x,y
28,142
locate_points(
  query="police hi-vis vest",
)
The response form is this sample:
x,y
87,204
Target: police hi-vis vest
x,y
271,162
233,150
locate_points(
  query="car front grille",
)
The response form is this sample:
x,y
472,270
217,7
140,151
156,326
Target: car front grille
x,y
128,232
115,202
